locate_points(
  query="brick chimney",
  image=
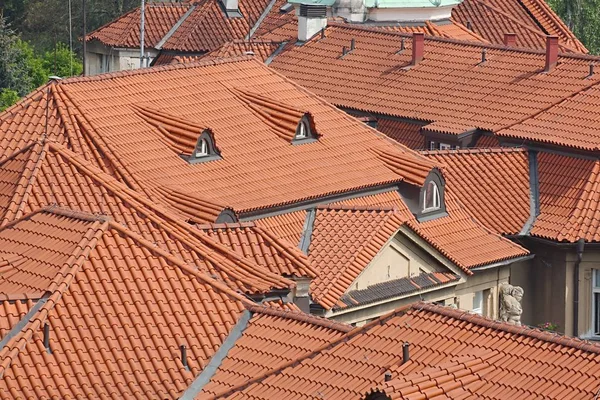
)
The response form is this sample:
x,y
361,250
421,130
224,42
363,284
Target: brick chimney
x,y
418,44
312,19
551,52
510,39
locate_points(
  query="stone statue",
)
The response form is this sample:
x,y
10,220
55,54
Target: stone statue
x,y
510,304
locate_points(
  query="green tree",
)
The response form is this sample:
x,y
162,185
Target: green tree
x,y
583,18
61,62
8,97
15,74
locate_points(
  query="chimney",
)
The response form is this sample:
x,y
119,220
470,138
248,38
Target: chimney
x,y
47,338
231,5
418,43
405,353
184,357
311,20
510,39
551,52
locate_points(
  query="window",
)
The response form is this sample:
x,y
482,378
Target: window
x,y
478,302
201,148
596,302
431,200
302,131
445,146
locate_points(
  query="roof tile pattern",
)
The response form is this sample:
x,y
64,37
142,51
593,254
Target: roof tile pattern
x,y
569,197
63,178
262,50
258,169
125,31
116,319
11,312
262,247
407,133
493,184
269,342
524,360
505,90
287,226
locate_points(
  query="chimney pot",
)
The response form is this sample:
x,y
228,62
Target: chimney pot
x,y
551,52
483,56
311,19
387,376
510,39
402,45
591,70
405,353
47,338
418,44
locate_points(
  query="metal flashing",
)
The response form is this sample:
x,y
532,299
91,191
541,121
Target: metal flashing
x,y
24,321
275,53
215,362
260,19
309,224
534,193
502,263
174,28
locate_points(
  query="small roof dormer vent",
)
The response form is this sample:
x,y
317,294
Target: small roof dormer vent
x,y
289,123
191,141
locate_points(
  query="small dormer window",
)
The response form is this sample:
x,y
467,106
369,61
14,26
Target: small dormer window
x,y
201,148
431,199
302,130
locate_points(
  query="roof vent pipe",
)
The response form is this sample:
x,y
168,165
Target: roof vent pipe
x,y
312,18
510,39
184,357
47,338
418,44
591,70
402,45
405,352
483,55
551,52
387,376
469,26
352,44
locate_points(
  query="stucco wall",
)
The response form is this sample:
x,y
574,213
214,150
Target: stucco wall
x,y
589,262
118,59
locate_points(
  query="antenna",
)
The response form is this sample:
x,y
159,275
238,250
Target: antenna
x,y
70,39
142,23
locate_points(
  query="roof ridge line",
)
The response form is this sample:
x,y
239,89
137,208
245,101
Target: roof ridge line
x,y
185,267
344,338
525,50
345,207
68,274
301,317
175,27
530,332
476,150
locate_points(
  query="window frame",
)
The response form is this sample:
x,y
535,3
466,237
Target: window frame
x,y
436,198
595,292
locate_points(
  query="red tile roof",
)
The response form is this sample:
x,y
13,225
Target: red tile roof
x,y
525,361
270,341
51,174
407,133
491,19
117,311
569,199
125,30
262,247
509,88
492,184
262,50
287,226
257,170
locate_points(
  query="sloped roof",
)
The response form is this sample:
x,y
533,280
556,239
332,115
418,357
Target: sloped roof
x,y
569,199
262,50
117,313
270,341
493,184
507,89
530,20
257,168
125,30
287,226
407,133
51,174
526,361
262,247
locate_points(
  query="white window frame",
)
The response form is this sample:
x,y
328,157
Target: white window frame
x,y
201,149
476,295
595,292
436,198
302,131
445,146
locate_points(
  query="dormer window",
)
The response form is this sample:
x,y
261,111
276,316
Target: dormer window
x,y
304,132
205,149
431,199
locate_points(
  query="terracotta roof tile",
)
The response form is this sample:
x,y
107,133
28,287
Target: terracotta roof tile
x,y
125,30
493,184
269,342
64,178
453,354
465,96
407,133
569,195
119,311
287,226
257,168
262,50
262,247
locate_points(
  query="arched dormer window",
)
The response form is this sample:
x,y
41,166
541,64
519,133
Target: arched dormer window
x,y
431,198
205,149
304,131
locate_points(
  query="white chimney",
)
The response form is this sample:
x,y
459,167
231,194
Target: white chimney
x,y
312,19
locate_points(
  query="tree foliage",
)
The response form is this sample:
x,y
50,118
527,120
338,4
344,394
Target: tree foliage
x,y
583,18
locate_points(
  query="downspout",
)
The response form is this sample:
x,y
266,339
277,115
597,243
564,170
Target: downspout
x,y
580,247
